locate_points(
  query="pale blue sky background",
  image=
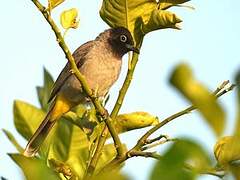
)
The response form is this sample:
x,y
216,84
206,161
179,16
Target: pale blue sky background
x,y
209,42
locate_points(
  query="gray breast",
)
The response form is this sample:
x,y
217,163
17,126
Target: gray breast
x,y
101,69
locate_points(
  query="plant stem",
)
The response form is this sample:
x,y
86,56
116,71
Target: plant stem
x,y
99,108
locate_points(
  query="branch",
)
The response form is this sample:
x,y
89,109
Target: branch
x,y
154,155
113,115
221,90
99,108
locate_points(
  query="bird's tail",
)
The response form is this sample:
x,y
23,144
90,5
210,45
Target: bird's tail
x,y
39,136
58,108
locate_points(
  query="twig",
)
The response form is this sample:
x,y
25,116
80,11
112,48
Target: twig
x,y
99,108
142,141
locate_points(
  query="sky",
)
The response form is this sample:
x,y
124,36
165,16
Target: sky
x,y
208,42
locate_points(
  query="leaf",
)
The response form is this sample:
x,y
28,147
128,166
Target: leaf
x,y
34,168
227,149
139,15
108,154
173,163
135,120
12,139
237,126
182,78
70,145
26,118
45,91
109,176
54,3
68,19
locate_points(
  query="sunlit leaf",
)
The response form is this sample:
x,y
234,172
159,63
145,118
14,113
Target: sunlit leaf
x,y
44,91
54,3
227,149
182,78
237,127
12,139
135,120
68,19
70,145
140,17
26,118
34,168
173,163
108,154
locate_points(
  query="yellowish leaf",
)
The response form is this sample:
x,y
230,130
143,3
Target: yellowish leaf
x,y
54,3
227,149
135,120
68,18
135,14
182,78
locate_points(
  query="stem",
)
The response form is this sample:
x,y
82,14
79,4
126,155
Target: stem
x,y
99,108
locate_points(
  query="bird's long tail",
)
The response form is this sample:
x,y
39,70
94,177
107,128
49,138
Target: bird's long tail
x,y
60,107
39,136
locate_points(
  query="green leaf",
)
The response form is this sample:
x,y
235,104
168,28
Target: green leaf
x,y
110,176
227,149
135,120
140,17
44,91
173,163
182,78
70,145
34,168
12,139
26,118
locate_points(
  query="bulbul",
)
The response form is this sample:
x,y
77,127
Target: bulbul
x,y
100,62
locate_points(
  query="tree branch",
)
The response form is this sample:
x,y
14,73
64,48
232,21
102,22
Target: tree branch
x,y
99,108
221,90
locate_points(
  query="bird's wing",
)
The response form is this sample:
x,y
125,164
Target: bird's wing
x,y
79,57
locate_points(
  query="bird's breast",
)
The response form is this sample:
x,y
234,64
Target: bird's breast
x,y
101,70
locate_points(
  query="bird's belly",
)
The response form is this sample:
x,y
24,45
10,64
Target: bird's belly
x,y
101,75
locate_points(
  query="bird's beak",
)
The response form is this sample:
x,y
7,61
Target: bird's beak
x,y
132,48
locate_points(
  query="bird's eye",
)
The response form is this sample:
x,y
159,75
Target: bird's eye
x,y
123,38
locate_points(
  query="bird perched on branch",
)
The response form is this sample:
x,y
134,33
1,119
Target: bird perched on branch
x,y
100,62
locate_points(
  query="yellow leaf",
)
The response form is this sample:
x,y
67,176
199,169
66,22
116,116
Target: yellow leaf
x,y
68,18
227,149
54,3
182,78
135,120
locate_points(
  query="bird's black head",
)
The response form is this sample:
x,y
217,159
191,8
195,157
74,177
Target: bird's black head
x,y
121,41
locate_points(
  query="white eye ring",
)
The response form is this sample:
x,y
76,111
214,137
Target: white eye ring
x,y
123,38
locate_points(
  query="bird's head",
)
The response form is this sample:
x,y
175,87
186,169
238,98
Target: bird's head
x,y
120,40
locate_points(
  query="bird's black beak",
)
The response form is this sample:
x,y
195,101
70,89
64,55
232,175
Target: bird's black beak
x,y
132,48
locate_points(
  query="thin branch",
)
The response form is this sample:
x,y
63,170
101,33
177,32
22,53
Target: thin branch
x,y
99,108
142,141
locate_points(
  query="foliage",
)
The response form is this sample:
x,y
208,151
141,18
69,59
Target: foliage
x,y
73,143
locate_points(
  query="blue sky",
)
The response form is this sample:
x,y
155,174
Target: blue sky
x,y
208,42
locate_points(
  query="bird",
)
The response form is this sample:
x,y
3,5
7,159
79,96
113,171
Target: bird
x,y
100,62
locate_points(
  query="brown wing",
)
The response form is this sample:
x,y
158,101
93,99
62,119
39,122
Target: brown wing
x,y
79,56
